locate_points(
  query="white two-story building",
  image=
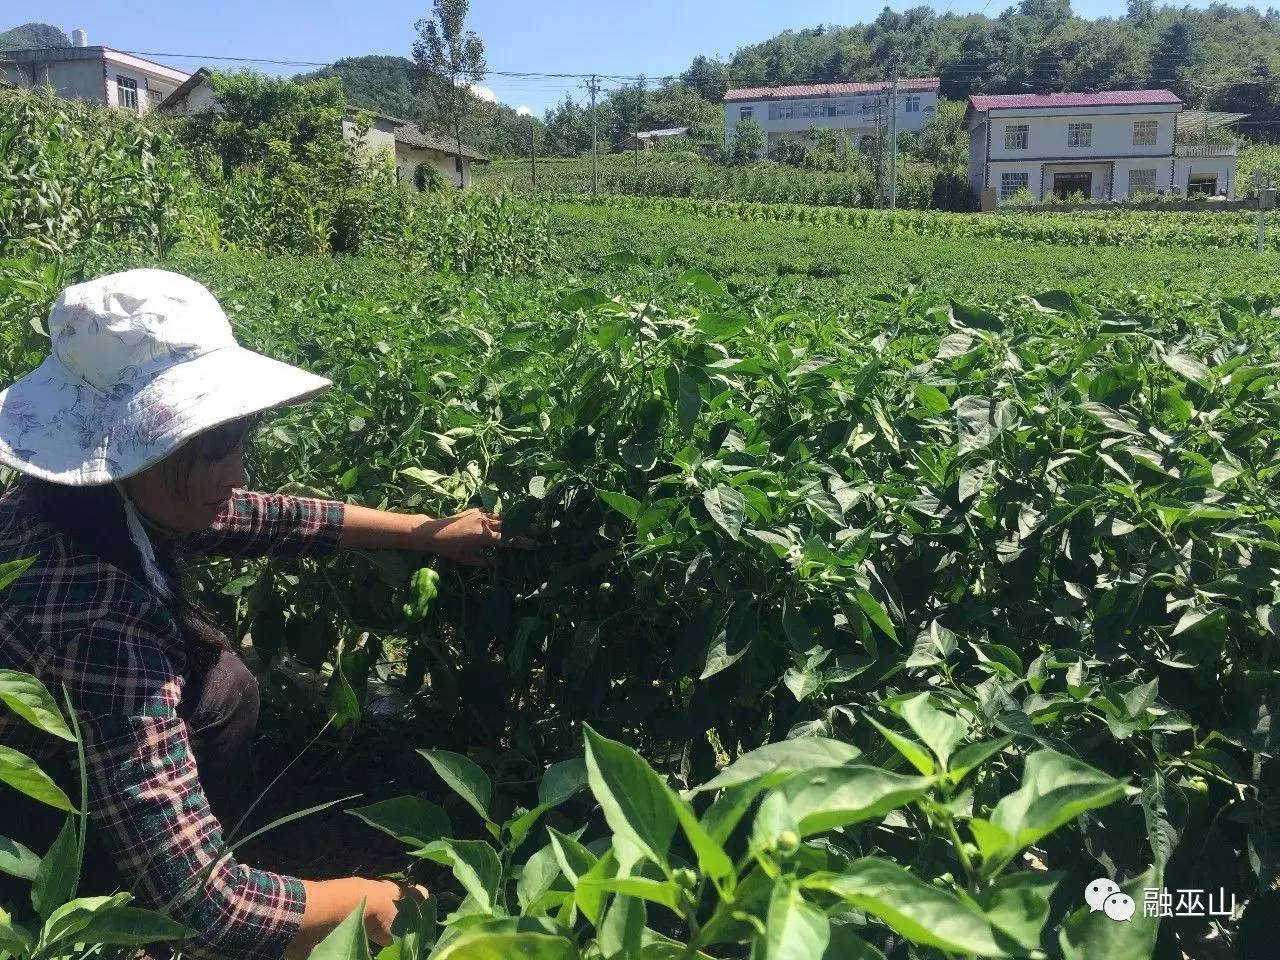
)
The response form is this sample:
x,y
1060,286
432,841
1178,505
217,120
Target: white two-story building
x,y
865,110
1110,145
97,74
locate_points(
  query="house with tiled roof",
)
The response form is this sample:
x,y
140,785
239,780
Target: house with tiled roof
x,y
864,110
1105,145
410,146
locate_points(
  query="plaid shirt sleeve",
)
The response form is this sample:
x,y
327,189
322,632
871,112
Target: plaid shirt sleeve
x,y
147,802
271,524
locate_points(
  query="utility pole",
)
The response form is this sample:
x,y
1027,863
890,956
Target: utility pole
x,y
533,152
635,124
1265,197
595,179
893,144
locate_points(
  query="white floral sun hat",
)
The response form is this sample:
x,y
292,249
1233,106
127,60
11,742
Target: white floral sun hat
x,y
142,361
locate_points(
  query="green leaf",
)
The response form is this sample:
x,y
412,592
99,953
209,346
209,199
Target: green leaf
x,y
1087,934
972,755
562,781
17,861
1018,903
71,917
727,508
340,698
774,762
1055,790
464,776
732,642
915,753
21,772
477,868
712,859
27,697
688,403
11,570
875,612
703,282
637,804
536,877
346,941
629,507
573,858
930,399
940,731
513,939
662,892
14,938
794,928
58,874
131,927
824,799
921,912
410,820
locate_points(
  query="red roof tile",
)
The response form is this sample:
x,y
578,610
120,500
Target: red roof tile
x,y
829,89
1105,98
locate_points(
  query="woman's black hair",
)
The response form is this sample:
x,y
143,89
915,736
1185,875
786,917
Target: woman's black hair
x,y
94,520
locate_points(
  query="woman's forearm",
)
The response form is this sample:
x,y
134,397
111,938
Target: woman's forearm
x,y
329,902
364,528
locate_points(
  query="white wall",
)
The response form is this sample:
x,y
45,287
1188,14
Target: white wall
x,y
1112,135
1224,168
73,79
408,158
855,119
93,78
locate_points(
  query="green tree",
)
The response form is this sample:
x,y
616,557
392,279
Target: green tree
x,y
944,142
260,115
451,59
748,142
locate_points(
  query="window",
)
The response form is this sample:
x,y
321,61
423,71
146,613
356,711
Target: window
x,y
154,97
1015,136
1012,183
1079,134
1144,133
744,113
913,104
126,93
1142,181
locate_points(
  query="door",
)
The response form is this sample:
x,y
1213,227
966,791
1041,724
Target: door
x,y
1066,184
1202,185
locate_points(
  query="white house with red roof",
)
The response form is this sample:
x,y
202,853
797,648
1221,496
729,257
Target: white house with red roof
x,y
863,109
1109,145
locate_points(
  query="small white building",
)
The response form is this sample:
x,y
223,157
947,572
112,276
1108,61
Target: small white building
x,y
865,110
649,139
412,146
409,145
1110,145
96,74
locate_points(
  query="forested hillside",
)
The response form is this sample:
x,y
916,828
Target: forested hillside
x,y
385,84
33,35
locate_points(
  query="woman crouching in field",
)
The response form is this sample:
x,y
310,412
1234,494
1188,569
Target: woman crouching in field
x,y
130,442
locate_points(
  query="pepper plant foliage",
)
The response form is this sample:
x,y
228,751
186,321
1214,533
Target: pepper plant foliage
x,y
787,858
1056,515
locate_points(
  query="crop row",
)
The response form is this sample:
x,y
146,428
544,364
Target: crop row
x,y
1139,229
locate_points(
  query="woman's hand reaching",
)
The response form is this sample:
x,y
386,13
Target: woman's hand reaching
x,y
471,538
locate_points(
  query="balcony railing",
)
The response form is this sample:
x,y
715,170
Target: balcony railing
x,y
1204,150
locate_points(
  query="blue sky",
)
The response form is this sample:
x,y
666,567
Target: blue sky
x,y
653,37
